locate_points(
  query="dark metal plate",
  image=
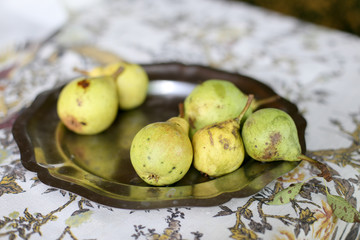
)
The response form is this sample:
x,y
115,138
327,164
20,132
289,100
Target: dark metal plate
x,y
98,167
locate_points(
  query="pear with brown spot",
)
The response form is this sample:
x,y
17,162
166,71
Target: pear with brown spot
x,y
88,105
218,148
270,134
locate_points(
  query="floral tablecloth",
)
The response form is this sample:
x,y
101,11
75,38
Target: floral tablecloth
x,y
316,68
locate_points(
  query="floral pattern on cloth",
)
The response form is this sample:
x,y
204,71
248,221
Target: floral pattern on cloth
x,y
309,65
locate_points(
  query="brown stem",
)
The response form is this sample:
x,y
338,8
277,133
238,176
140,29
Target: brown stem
x,y
248,104
260,102
181,110
81,71
118,72
325,172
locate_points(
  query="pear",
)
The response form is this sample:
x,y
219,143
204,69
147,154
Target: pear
x,y
161,152
217,100
88,105
218,148
270,134
131,82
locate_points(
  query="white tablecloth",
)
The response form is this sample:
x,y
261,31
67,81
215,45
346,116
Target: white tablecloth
x,y
314,67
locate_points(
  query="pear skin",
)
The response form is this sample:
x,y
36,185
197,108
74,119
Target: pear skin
x,y
88,105
218,148
161,153
131,82
211,102
270,134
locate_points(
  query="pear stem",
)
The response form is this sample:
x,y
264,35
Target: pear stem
x,y
81,71
260,102
118,72
325,172
181,110
248,104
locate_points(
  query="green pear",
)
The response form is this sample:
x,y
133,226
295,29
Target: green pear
x,y
212,101
131,82
88,105
270,134
161,153
218,148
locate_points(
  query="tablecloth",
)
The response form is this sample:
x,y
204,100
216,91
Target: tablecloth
x,y
314,67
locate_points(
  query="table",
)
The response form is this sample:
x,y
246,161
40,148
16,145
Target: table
x,y
315,67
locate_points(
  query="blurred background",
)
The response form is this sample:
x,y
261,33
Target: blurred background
x,y
338,14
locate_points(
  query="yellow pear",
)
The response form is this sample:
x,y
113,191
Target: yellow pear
x,y
131,82
88,105
218,148
161,152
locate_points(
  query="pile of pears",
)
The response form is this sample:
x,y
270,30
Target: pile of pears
x,y
89,104
217,127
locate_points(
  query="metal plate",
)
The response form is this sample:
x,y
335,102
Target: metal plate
x,y
98,167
